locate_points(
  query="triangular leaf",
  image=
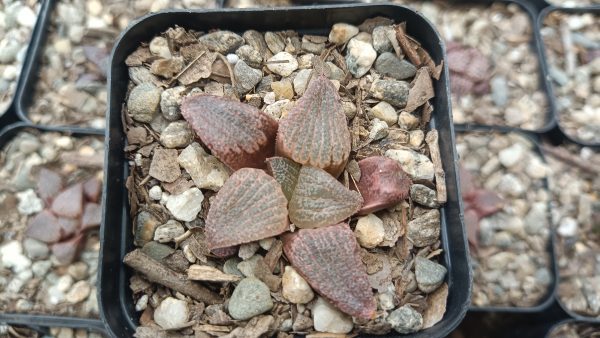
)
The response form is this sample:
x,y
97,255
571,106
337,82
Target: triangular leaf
x,y
329,259
315,132
238,134
319,199
285,172
250,206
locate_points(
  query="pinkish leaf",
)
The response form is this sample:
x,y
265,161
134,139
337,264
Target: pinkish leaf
x,y
467,184
92,189
238,134
66,252
472,227
250,206
44,227
49,184
329,259
382,183
319,200
69,203
92,216
315,132
285,172
486,202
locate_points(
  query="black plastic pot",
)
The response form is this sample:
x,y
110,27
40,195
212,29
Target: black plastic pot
x,y
44,320
10,113
548,300
544,59
115,297
595,326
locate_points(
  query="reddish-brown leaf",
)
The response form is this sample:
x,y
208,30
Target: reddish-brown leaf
x,y
69,203
486,202
286,172
319,200
472,227
467,184
92,216
44,227
49,184
68,226
315,132
238,134
329,259
250,206
382,183
92,189
66,252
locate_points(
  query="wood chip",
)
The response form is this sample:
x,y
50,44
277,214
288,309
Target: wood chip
x,y
436,306
421,91
272,257
197,69
407,46
209,274
440,175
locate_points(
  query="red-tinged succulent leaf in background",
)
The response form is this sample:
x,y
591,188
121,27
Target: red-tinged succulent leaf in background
x,y
329,259
320,200
382,183
238,134
69,214
249,207
478,203
315,132
469,70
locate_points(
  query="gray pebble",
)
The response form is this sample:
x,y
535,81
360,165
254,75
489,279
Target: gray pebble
x,y
256,40
157,251
393,92
143,102
170,103
224,42
381,43
246,76
250,298
249,55
35,249
499,87
424,230
389,64
430,275
275,42
405,319
423,195
230,267
177,135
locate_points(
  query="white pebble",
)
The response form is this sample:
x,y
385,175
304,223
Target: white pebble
x,y
295,288
369,231
155,193
327,318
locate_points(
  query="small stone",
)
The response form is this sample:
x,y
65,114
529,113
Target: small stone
x,y
424,230
360,57
274,42
424,195
249,55
349,109
230,267
415,138
417,166
305,61
314,43
301,80
277,109
78,292
250,298
537,218
302,323
408,121
256,40
327,318
167,68
172,313
160,46
26,17
389,64
342,32
142,303
164,165
155,193
369,231
29,203
177,135
35,249
186,206
511,185
232,58
266,243
206,171
145,225
499,88
282,63
381,42
385,112
283,89
246,76
248,250
567,227
295,288
170,103
405,319
335,72
379,130
143,102
386,301
41,268
222,41
157,251
78,270
168,231
512,155
430,275
392,91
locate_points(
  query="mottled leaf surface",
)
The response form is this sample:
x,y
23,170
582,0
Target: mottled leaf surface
x,y
315,132
328,258
285,172
382,183
319,200
250,206
238,134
